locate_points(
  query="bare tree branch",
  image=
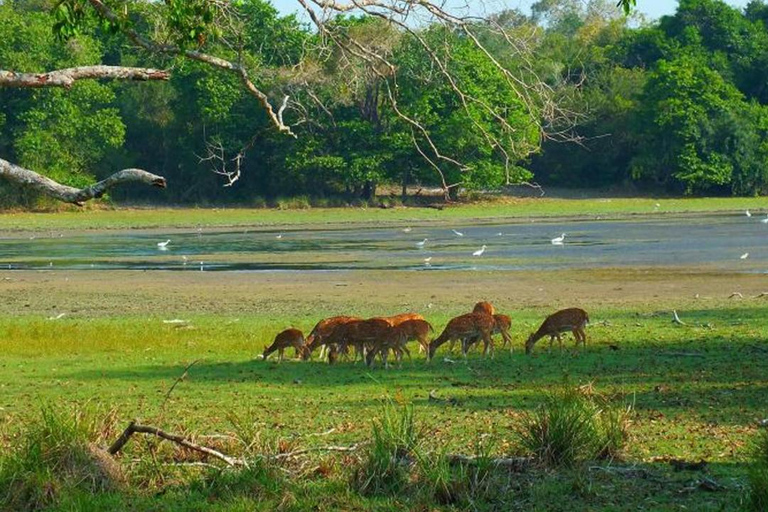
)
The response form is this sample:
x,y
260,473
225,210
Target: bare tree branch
x,y
67,77
67,194
133,428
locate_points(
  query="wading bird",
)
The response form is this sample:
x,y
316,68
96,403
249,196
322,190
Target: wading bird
x,y
479,252
457,233
163,245
559,240
421,244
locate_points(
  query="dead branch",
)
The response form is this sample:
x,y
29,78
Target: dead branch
x,y
133,428
517,464
736,294
67,194
67,77
179,379
296,453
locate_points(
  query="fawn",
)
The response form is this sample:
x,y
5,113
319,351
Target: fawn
x,y
501,325
288,338
571,319
322,330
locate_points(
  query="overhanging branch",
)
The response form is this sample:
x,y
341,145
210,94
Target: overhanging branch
x,y
67,77
78,196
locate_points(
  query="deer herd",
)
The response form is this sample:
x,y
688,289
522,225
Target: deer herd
x,y
339,335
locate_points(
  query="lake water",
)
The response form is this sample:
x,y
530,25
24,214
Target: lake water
x,y
718,241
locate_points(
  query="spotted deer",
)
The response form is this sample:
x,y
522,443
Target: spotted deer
x,y
413,330
482,307
287,338
571,319
501,325
464,327
360,334
322,330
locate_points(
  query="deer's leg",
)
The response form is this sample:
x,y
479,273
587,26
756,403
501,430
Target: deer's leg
x,y
280,355
488,342
551,341
560,341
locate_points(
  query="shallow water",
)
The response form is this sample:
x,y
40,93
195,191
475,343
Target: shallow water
x,y
716,241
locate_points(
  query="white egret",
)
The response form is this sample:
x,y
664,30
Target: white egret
x,y
163,246
747,213
559,240
201,266
745,256
427,261
765,220
184,258
279,236
480,251
457,233
406,230
421,244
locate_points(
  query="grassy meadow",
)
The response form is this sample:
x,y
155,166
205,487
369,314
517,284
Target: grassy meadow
x,y
486,210
84,353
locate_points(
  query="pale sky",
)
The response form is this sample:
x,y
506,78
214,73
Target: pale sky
x,y
651,8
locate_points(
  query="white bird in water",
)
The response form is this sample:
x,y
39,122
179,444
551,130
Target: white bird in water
x,y
499,234
559,240
201,266
457,233
421,244
279,236
765,220
745,256
406,230
480,251
163,246
427,261
747,213
185,259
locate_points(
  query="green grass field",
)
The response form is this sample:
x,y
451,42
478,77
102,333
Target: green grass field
x,y
696,391
502,208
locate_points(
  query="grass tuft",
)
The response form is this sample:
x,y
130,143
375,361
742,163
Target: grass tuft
x,y
574,425
56,455
758,474
387,463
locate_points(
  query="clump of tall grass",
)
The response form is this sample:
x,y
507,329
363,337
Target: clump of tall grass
x,y
575,424
56,455
388,460
757,499
293,203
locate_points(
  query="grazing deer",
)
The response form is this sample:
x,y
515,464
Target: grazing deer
x,y
322,330
484,307
501,325
464,327
571,319
414,330
288,338
361,334
402,317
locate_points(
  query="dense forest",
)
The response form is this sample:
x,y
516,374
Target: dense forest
x,y
677,106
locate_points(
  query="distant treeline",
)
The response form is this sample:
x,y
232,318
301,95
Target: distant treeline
x,y
678,105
